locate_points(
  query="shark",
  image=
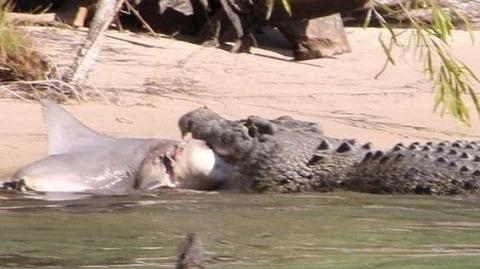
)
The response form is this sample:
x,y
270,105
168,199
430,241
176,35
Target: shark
x,y
81,160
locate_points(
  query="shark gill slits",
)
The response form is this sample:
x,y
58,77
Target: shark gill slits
x,y
324,145
344,147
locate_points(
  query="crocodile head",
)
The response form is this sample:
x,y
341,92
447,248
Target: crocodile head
x,y
280,155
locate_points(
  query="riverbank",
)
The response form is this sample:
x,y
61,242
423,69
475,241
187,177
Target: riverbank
x,y
151,82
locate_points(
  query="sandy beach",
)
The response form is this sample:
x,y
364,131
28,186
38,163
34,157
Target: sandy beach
x,y
152,82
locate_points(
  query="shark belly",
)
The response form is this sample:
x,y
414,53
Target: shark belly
x,y
108,168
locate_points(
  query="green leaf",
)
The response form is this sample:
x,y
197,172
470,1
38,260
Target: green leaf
x,y
269,4
450,77
387,50
287,7
368,18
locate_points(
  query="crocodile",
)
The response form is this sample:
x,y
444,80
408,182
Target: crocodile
x,y
289,155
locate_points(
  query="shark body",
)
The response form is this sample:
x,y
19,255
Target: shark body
x,y
84,161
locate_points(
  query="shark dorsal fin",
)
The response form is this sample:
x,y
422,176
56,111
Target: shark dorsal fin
x,y
65,132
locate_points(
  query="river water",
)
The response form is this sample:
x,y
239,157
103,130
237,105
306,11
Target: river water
x,y
310,230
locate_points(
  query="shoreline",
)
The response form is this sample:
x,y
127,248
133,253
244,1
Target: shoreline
x,y
155,81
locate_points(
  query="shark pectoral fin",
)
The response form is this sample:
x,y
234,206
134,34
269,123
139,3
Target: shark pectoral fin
x,y
65,132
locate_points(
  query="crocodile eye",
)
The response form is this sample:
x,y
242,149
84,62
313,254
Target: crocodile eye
x,y
226,139
252,131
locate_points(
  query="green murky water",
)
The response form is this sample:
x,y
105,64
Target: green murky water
x,y
314,230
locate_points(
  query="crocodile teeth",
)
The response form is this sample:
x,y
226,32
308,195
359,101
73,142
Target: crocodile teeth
x,y
344,147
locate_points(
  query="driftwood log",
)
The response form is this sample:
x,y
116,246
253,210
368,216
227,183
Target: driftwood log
x,y
310,35
315,38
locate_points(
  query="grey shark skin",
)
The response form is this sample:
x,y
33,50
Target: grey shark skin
x,y
81,160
